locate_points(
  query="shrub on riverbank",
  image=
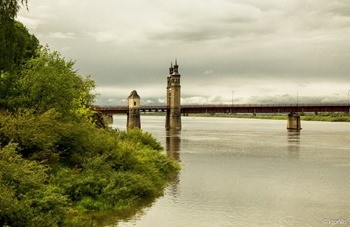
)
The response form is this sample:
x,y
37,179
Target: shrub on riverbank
x,y
26,198
57,169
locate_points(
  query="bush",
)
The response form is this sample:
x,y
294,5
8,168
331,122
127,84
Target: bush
x,y
33,133
117,174
26,199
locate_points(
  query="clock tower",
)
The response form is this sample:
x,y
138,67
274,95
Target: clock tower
x,y
173,117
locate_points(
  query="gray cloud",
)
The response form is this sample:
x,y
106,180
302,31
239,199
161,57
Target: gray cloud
x,y
258,48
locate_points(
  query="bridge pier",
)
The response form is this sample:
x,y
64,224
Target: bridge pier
x,y
173,116
167,120
174,121
293,121
133,115
109,119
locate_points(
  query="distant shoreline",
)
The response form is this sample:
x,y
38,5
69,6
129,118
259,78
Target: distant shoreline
x,y
331,117
328,117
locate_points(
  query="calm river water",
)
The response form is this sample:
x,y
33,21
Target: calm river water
x,y
248,172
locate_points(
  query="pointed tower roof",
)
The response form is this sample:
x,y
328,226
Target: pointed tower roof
x,y
171,69
134,95
176,68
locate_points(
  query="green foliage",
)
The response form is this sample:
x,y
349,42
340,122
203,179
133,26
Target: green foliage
x,y
17,45
25,46
34,133
115,173
137,136
115,170
8,88
127,189
10,8
330,117
92,168
16,48
9,33
26,199
49,82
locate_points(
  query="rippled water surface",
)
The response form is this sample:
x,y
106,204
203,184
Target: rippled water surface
x,y
248,172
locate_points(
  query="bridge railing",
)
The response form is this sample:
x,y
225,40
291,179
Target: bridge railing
x,y
266,105
97,107
226,105
224,108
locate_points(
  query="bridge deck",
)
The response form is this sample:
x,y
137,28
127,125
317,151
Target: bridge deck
x,y
237,108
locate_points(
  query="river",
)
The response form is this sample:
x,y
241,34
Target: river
x,y
249,172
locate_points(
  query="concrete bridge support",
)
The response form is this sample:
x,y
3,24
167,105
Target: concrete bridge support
x,y
167,120
133,120
109,119
174,121
293,121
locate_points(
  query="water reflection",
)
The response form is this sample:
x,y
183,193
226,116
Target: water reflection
x,y
173,144
293,143
173,147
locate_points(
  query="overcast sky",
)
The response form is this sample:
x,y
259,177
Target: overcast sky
x,y
263,51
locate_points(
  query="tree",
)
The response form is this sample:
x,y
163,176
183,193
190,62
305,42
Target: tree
x,y
25,47
16,49
8,34
50,82
9,8
16,46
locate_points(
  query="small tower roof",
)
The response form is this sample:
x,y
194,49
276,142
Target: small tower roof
x,y
134,95
171,69
176,65
176,68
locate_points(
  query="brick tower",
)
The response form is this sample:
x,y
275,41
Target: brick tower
x,y
133,120
173,117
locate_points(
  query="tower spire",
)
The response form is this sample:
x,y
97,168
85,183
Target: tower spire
x,y
171,69
176,67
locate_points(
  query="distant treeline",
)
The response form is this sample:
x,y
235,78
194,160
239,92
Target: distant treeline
x,y
331,117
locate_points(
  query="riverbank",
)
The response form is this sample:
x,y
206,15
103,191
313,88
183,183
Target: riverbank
x,y
60,173
329,117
